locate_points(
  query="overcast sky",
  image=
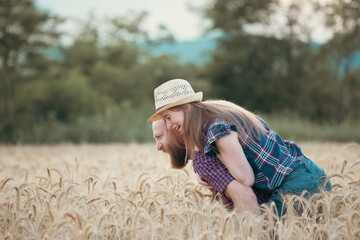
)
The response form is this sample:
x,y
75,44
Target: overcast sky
x,y
183,23
175,14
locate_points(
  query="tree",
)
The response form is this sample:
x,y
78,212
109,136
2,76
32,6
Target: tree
x,y
84,52
23,31
62,98
97,79
271,71
232,16
343,18
258,71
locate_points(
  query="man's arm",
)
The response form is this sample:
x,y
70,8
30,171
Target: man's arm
x,y
212,170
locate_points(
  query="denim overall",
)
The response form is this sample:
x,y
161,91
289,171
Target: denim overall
x,y
307,176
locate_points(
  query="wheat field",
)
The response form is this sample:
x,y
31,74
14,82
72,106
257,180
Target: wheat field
x,y
129,191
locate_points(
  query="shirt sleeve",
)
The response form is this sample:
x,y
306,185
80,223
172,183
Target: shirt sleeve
x,y
213,171
215,130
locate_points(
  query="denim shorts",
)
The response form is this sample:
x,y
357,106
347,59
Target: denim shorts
x,y
306,176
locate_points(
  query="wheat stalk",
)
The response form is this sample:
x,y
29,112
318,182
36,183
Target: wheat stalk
x,y
133,206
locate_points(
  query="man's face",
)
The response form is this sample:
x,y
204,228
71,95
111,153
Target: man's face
x,y
159,130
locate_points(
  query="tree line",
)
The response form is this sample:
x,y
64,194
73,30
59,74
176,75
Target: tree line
x,y
101,88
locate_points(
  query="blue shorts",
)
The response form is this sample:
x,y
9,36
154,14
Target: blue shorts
x,y
307,176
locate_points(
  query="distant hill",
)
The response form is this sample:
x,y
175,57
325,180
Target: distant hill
x,y
196,51
355,63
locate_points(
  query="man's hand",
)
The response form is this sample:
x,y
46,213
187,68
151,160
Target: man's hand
x,y
203,183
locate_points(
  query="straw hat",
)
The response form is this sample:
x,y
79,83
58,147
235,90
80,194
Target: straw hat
x,y
173,93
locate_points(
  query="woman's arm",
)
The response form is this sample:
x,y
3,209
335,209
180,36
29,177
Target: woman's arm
x,y
221,180
233,157
243,197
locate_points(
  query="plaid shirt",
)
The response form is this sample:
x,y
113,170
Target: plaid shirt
x,y
271,158
214,172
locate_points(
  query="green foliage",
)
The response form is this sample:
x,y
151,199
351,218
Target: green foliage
x,y
97,91
232,15
294,128
127,124
63,98
343,17
101,90
23,32
119,124
272,74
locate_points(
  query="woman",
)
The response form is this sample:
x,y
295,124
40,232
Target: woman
x,y
254,154
212,174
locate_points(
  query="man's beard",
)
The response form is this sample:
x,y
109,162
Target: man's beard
x,y
175,147
164,149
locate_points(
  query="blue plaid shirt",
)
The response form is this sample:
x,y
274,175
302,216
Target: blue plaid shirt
x,y
271,158
214,172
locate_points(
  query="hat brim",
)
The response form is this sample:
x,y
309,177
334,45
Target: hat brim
x,y
197,97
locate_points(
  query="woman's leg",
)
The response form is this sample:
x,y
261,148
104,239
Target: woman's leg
x,y
307,177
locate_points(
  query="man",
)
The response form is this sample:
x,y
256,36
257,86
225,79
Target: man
x,y
218,180
159,130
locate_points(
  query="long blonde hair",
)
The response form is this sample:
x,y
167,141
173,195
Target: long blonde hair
x,y
197,113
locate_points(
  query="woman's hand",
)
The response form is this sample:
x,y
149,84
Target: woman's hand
x,y
203,183
233,157
243,197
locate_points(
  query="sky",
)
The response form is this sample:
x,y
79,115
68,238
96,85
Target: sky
x,y
183,23
176,15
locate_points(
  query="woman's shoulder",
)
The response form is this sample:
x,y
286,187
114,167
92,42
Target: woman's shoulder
x,y
217,124
214,129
